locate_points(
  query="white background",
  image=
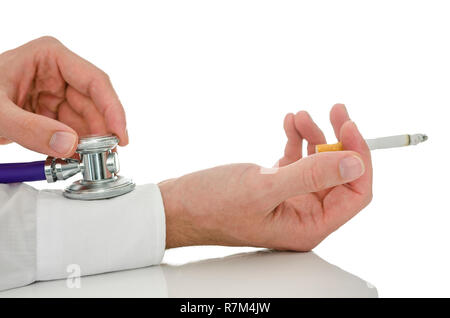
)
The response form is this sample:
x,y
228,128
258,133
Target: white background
x,y
206,83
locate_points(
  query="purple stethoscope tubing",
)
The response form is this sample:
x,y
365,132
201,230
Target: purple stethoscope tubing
x,y
22,172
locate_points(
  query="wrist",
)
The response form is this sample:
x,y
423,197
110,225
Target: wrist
x,y
180,230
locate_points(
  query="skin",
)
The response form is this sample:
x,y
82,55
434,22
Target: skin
x,y
46,88
294,208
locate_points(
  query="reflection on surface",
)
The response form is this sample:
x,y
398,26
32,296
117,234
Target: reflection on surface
x,y
264,274
256,274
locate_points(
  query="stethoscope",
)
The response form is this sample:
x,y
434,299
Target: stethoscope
x,y
98,163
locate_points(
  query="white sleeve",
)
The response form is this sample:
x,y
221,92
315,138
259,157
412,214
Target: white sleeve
x,y
43,235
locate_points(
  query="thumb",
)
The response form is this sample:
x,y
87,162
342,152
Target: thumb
x,y
318,172
36,132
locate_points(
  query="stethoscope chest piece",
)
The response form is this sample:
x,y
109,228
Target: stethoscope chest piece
x,y
96,190
99,165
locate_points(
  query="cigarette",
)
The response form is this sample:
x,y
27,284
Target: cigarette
x,y
380,143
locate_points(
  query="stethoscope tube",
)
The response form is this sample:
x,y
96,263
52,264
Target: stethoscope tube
x,y
22,172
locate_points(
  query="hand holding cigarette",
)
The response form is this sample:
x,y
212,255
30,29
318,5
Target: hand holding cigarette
x,y
294,207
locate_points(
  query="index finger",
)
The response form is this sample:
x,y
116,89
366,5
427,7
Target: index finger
x,y
309,130
89,80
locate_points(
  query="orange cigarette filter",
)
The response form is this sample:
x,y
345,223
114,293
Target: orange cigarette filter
x,y
329,147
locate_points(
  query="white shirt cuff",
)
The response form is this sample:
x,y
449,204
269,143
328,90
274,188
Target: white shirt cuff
x,y
99,236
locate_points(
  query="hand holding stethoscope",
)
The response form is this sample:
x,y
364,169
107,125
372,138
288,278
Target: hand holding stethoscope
x,y
49,96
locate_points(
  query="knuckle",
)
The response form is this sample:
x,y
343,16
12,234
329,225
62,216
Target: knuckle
x,y
104,76
45,46
100,80
48,39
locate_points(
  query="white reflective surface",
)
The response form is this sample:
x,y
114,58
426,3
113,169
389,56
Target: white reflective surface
x,y
255,274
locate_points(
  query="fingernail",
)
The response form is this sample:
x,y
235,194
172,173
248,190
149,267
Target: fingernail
x,y
62,142
351,168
